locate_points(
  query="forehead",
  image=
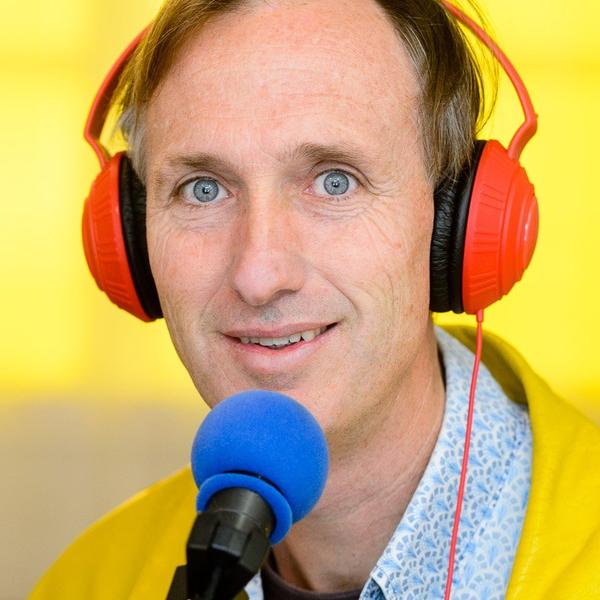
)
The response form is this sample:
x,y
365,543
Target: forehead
x,y
274,68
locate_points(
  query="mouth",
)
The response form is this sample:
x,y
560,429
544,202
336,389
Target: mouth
x,y
285,351
280,343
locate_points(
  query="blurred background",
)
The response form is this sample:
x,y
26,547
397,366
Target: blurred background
x,y
95,405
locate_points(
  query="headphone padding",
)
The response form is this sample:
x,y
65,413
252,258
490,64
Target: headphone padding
x,y
451,202
132,198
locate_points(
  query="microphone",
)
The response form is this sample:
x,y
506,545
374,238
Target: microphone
x,y
260,460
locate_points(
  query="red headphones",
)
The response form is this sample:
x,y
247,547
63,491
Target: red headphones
x,y
484,233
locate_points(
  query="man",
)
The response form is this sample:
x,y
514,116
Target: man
x,y
290,152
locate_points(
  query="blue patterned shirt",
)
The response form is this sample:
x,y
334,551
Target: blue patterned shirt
x,y
414,564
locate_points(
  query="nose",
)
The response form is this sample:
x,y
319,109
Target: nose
x,y
268,259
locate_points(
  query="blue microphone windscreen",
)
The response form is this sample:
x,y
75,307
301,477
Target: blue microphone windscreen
x,y
267,435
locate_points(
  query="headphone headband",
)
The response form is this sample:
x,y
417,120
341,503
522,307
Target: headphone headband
x,y
100,105
528,128
99,109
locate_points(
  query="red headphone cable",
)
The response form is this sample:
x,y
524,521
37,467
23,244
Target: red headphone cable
x,y
465,461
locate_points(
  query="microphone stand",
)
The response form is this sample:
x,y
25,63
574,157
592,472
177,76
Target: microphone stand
x,y
227,546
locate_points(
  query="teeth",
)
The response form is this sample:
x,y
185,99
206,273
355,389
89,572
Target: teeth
x,y
307,336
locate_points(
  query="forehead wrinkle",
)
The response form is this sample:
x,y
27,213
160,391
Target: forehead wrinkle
x,y
288,82
282,89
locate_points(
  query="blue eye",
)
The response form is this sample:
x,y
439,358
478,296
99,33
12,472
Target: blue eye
x,y
336,183
202,189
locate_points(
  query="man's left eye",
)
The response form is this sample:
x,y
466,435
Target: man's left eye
x,y
335,183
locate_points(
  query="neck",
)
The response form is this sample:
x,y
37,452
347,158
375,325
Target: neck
x,y
374,473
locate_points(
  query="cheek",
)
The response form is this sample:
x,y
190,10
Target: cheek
x,y
184,266
385,257
392,278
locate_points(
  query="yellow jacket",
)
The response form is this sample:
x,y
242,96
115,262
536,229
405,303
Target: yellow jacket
x,y
132,552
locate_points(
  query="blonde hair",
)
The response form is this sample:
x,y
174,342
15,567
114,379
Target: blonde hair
x,y
452,107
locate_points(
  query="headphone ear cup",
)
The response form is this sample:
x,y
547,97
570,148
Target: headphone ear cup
x,y
452,199
502,228
108,242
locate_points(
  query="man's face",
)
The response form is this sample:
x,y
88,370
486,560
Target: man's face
x,y
287,194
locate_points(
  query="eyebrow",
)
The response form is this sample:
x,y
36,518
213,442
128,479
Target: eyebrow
x,y
305,152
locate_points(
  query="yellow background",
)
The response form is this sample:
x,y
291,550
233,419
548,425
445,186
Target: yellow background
x,y
61,339
59,334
